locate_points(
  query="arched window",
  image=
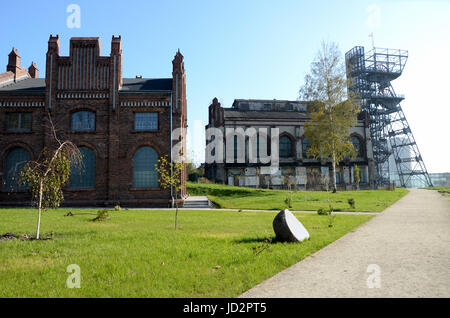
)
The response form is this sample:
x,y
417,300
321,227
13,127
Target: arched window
x,y
285,146
144,170
14,162
357,144
306,144
83,177
83,121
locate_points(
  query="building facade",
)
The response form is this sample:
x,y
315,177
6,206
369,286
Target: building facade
x,y
122,126
294,164
440,179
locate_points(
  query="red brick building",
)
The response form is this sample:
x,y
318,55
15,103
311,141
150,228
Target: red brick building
x,y
121,125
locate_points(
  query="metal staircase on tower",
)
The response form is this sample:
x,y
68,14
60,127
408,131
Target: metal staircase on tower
x,y
393,142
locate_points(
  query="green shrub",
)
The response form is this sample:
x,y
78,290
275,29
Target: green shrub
x,y
102,215
288,202
193,177
322,211
351,202
117,208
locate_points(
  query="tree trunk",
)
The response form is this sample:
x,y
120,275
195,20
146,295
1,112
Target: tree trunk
x,y
39,211
334,174
176,206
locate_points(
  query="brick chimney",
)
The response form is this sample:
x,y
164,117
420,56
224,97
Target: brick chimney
x,y
33,70
13,61
179,83
116,50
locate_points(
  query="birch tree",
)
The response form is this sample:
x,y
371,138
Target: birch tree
x,y
49,173
332,108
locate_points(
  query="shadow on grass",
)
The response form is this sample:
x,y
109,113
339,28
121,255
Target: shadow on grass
x,y
268,240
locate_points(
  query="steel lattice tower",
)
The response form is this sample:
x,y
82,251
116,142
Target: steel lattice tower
x,y
371,75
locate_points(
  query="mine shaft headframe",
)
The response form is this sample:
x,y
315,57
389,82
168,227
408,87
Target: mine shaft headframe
x,y
370,77
384,62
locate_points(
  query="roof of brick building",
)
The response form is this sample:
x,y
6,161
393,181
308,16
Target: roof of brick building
x,y
129,85
232,114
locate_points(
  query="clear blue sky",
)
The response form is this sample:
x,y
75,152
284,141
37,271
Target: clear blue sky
x,y
253,49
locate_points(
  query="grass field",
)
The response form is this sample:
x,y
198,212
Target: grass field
x,y
443,190
230,197
137,253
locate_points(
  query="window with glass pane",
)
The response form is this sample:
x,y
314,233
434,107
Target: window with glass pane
x,y
305,146
285,147
83,121
83,176
357,144
338,177
14,162
146,121
144,170
19,122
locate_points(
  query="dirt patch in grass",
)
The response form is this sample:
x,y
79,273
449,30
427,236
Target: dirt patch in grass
x,y
23,237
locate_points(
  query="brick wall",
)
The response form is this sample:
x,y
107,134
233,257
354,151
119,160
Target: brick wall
x,y
85,80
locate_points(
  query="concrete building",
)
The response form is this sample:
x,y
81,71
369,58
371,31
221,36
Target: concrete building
x,y
289,117
440,179
121,125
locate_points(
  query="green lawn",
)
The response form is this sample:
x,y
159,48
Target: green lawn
x,y
137,253
231,197
443,190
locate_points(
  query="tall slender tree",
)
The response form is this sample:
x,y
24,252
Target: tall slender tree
x,y
333,109
171,178
50,172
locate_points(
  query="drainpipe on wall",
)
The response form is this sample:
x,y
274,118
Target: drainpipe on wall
x,y
171,169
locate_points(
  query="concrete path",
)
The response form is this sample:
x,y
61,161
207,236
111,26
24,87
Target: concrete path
x,y
408,243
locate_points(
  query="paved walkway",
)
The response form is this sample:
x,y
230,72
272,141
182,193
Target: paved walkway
x,y
409,243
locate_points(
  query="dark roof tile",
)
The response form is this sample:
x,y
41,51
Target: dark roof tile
x,y
26,85
230,114
146,84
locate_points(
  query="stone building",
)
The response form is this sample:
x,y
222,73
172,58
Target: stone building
x,y
289,117
121,125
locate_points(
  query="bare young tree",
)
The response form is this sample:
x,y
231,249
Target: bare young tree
x,y
170,177
49,173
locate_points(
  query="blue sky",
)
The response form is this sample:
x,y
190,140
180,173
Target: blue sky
x,y
253,49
